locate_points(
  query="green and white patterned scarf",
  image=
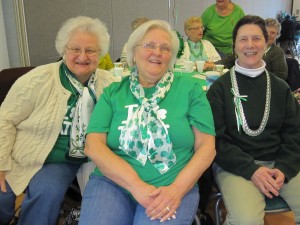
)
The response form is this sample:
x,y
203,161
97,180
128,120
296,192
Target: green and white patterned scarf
x,y
83,110
145,136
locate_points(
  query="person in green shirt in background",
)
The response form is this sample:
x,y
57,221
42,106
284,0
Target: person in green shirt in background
x,y
218,21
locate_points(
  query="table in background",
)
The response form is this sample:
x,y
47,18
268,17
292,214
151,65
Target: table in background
x,y
197,75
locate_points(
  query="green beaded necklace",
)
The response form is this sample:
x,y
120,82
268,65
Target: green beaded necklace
x,y
196,56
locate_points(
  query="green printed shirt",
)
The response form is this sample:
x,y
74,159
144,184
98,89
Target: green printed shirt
x,y
185,105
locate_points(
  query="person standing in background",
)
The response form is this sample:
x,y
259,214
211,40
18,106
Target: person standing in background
x,y
219,20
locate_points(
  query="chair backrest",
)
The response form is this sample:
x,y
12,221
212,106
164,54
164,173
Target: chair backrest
x,y
8,77
293,78
288,29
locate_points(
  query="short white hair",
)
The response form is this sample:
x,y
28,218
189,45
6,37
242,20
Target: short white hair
x,y
138,34
82,24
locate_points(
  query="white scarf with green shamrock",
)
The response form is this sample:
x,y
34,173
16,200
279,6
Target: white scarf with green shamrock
x,y
145,136
83,110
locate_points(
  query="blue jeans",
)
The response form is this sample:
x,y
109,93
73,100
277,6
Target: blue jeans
x,y
43,195
105,203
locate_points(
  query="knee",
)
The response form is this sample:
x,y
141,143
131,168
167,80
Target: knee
x,y
49,194
246,218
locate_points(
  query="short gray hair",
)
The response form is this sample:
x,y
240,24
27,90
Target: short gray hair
x,y
138,21
82,24
270,22
138,34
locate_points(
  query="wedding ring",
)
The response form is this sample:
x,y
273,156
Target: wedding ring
x,y
168,209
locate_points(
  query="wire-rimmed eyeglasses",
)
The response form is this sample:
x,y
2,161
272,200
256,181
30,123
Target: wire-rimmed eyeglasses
x,y
151,46
78,51
196,28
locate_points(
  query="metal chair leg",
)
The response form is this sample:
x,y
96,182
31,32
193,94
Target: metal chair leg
x,y
217,209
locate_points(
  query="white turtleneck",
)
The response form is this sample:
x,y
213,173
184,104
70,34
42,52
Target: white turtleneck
x,y
250,72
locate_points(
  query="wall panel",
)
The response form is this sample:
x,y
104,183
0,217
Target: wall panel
x,y
43,19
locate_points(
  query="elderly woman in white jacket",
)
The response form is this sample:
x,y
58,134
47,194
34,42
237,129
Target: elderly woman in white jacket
x,y
195,48
43,121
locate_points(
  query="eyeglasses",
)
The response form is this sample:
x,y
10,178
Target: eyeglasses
x,y
78,51
196,28
273,33
151,46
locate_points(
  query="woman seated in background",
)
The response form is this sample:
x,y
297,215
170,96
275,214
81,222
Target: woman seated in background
x,y
105,62
257,122
134,24
149,152
196,49
43,125
274,56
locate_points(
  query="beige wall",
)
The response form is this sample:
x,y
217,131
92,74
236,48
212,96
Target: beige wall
x,y
43,19
296,8
4,62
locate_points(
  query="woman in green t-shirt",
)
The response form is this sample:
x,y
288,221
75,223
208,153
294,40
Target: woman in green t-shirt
x,y
151,137
219,20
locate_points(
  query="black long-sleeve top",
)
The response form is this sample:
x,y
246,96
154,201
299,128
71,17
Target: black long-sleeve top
x,y
279,142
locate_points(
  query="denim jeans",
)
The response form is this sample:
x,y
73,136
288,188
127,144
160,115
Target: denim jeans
x,y
43,195
105,203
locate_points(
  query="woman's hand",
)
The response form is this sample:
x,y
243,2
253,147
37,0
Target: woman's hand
x,y
143,194
209,65
166,201
279,177
2,181
268,181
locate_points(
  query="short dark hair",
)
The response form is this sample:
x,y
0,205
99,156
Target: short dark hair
x,y
250,19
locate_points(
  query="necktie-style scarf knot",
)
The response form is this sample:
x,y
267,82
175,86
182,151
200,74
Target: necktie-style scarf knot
x,y
145,135
83,110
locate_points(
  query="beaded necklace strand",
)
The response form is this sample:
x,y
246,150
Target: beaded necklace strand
x,y
196,56
240,115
